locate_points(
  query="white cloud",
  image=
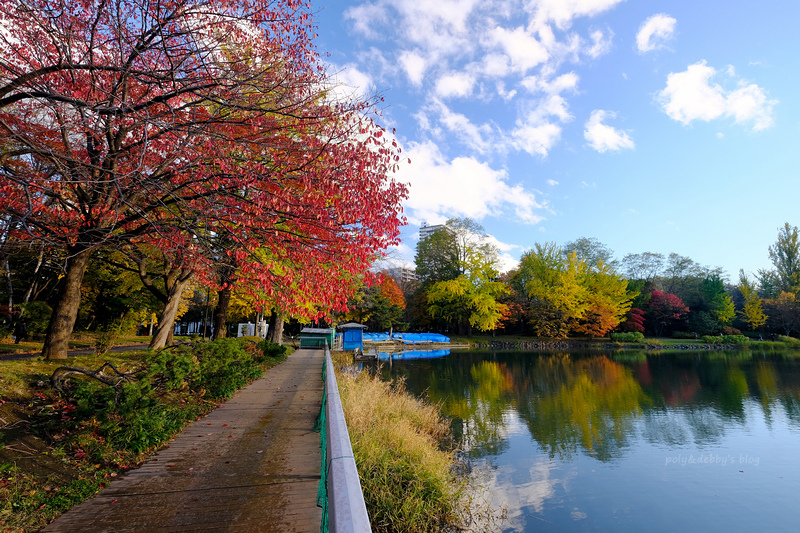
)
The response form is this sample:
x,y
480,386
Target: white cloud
x,y
505,95
463,186
522,48
535,139
349,82
655,32
535,131
477,138
563,12
603,137
469,50
414,66
690,96
750,104
455,84
399,256
366,18
601,44
506,262
552,182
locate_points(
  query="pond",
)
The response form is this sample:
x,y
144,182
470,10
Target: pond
x,y
625,442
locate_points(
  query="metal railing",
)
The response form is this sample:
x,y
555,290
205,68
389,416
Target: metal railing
x,y
344,510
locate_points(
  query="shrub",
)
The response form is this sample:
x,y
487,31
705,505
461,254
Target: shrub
x,y
736,339
224,366
135,417
272,350
36,316
726,339
633,336
788,340
684,335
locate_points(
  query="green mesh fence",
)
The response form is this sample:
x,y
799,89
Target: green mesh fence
x,y
322,492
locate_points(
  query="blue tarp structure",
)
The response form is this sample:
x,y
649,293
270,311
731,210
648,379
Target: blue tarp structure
x,y
407,338
420,338
413,354
376,337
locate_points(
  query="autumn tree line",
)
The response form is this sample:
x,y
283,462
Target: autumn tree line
x,y
154,150
581,290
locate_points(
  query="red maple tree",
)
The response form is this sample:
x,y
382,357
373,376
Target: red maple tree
x,y
664,309
167,123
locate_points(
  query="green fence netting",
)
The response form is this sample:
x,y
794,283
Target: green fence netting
x,y
322,492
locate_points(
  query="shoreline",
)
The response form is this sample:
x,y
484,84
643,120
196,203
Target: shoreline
x,y
554,345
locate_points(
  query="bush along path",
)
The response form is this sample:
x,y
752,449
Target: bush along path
x,y
68,432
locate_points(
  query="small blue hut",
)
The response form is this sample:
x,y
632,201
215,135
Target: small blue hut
x,y
352,336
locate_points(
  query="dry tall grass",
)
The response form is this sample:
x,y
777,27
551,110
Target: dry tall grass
x,y
408,481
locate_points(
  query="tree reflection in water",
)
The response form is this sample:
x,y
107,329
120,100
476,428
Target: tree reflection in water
x,y
587,404
596,404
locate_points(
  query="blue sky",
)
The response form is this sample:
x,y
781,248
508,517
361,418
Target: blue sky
x,y
650,126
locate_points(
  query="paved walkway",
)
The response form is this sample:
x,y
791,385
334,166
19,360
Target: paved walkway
x,y
251,465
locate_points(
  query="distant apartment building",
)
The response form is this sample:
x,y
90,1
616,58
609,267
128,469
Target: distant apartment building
x,y
426,231
403,275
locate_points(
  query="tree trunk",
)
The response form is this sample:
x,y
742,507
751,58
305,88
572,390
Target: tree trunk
x,y
164,332
221,313
275,332
10,285
35,276
65,313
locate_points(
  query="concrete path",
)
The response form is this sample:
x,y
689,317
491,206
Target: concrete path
x,y
252,465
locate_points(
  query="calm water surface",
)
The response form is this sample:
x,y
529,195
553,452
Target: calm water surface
x,y
630,442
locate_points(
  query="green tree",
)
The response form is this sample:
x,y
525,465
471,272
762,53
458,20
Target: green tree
x,y
460,248
712,308
444,254
752,311
679,274
437,257
769,283
783,313
785,257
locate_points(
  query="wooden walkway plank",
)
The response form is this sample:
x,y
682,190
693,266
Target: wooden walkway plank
x,y
253,464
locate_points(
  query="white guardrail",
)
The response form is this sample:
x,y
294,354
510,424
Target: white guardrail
x,y
347,512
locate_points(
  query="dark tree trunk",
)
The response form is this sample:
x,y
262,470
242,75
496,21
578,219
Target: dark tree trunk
x,y
275,333
7,268
65,313
221,313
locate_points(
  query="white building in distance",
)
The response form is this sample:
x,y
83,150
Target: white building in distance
x,y
426,231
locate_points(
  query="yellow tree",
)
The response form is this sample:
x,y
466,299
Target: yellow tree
x,y
752,312
608,299
554,285
471,298
567,294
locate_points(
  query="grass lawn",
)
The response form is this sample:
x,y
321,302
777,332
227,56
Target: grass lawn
x,y
79,341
